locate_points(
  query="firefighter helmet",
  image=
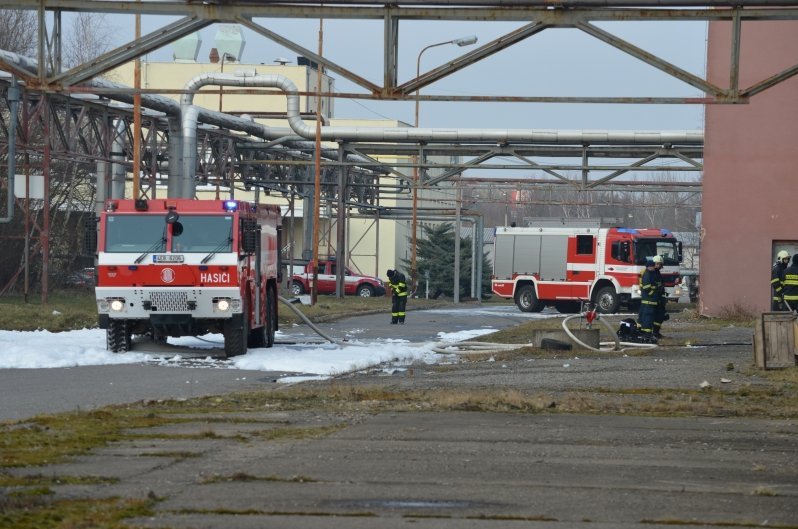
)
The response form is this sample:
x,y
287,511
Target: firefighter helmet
x,y
782,255
657,259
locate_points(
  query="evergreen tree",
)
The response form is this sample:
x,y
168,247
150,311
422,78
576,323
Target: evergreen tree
x,y
435,254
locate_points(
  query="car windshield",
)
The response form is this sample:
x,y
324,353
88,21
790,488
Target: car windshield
x,y
648,248
204,234
134,233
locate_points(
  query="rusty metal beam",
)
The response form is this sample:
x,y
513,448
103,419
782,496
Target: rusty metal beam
x,y
770,81
328,64
127,52
472,57
606,11
653,60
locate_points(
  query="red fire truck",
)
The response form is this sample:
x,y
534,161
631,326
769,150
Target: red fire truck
x,y
564,265
183,267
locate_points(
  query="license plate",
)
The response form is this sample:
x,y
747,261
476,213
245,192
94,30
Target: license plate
x,y
168,258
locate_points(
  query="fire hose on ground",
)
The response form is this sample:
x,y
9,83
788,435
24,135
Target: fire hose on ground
x,y
590,315
313,326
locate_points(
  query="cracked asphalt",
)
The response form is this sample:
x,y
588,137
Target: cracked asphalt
x,y
459,469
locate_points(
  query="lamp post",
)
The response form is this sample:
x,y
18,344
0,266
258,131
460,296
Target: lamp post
x,y
231,57
462,41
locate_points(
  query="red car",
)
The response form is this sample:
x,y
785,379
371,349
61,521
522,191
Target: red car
x,y
354,284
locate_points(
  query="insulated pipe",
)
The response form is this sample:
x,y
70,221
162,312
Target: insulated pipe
x,y
100,190
407,134
174,182
13,104
118,172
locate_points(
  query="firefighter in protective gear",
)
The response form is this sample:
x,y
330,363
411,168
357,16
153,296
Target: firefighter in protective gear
x,y
660,314
790,289
398,284
777,281
650,285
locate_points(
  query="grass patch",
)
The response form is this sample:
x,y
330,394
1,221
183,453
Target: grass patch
x,y
65,311
738,312
48,439
54,438
259,512
40,513
330,308
39,480
77,310
299,433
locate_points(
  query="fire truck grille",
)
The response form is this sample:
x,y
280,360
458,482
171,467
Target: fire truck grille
x,y
169,301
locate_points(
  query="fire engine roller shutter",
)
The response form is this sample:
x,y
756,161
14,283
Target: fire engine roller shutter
x,y
503,257
526,254
553,257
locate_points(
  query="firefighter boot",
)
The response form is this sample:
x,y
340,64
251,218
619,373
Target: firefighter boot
x,y
394,320
647,337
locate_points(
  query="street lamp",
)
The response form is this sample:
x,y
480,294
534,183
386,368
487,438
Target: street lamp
x,y
462,41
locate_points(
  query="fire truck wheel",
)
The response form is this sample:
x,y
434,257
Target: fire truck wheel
x,y
256,337
297,289
607,300
271,316
117,337
527,300
235,335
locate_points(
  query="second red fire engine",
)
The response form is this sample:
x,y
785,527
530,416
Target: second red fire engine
x,y
565,266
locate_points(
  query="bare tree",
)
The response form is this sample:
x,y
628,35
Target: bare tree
x,y
90,35
18,30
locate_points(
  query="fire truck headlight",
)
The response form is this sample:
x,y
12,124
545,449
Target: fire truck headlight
x,y
117,305
103,305
636,291
223,305
235,304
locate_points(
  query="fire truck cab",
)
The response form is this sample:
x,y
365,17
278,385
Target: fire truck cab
x,y
184,267
565,266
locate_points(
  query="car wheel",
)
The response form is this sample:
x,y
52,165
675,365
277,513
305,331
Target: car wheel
x,y
297,288
365,291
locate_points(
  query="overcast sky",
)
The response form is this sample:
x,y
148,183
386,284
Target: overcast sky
x,y
556,62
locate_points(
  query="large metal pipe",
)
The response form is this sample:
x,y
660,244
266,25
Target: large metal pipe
x,y
408,134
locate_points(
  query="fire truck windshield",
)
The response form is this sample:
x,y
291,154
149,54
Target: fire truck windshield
x,y
648,248
204,234
134,233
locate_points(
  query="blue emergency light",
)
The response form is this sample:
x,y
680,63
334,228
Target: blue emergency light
x,y
230,205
